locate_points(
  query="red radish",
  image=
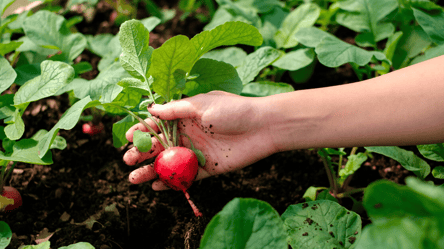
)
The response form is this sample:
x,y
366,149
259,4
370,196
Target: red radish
x,y
92,129
177,167
12,193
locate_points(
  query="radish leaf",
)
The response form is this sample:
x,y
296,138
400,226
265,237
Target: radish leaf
x,y
7,74
406,158
245,223
136,53
257,61
67,122
303,16
321,224
55,75
213,75
142,140
49,30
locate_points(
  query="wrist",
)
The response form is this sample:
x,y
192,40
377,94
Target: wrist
x,y
293,120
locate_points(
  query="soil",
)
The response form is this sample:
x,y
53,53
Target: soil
x,y
85,195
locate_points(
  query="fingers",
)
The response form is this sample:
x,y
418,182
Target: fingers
x,y
134,156
140,126
142,174
174,110
159,186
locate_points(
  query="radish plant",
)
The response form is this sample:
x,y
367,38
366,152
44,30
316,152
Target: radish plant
x,y
166,74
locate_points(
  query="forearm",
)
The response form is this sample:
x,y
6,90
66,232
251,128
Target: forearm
x,y
405,107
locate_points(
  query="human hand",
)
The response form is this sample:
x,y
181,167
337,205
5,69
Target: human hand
x,y
230,130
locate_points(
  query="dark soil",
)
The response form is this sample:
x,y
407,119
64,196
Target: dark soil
x,y
85,195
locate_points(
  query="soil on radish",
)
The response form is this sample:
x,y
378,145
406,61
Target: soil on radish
x,y
86,196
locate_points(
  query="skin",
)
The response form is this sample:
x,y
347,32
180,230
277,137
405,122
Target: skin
x,y
403,107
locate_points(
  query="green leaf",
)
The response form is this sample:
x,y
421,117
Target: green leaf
x,y
26,150
99,44
311,37
55,75
213,75
44,245
261,6
405,233
120,128
151,22
221,16
234,11
433,24
59,142
78,245
174,56
228,34
49,30
66,122
354,163
7,109
403,216
82,67
16,127
27,72
257,61
9,47
333,52
7,74
406,158
429,54
321,224
389,50
5,234
231,55
142,140
311,193
135,84
296,59
245,223
365,16
433,152
128,98
385,199
265,88
103,87
438,172
413,41
136,53
303,16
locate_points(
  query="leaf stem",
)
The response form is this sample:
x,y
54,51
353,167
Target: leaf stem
x,y
349,193
331,178
143,122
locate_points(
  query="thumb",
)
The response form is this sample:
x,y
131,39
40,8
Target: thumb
x,y
177,109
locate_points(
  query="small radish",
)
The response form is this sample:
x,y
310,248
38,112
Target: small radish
x,y
92,129
177,167
12,193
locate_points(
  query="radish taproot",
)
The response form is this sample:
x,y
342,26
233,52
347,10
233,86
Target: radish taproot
x,y
177,168
12,193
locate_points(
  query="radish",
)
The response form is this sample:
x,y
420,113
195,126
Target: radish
x,y
12,193
92,129
177,168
